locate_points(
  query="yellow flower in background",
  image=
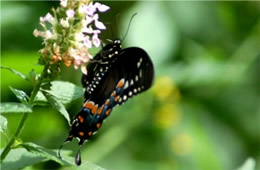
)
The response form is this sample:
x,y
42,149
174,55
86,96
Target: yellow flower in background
x,y
167,116
181,144
165,88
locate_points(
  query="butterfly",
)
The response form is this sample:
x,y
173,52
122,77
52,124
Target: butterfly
x,y
114,76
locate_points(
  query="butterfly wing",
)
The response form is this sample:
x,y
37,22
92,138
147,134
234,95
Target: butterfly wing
x,y
134,67
137,70
129,72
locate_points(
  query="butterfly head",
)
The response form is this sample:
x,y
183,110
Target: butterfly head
x,y
117,44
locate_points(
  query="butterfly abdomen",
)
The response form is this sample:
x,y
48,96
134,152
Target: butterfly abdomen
x,y
91,116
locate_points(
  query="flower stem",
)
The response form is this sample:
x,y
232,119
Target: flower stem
x,y
25,115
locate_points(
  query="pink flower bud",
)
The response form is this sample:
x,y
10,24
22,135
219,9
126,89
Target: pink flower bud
x,y
48,18
90,9
70,13
64,3
64,22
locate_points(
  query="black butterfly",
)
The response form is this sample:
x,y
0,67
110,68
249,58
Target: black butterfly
x,y
114,75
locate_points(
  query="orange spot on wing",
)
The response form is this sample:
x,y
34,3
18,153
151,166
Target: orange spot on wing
x,y
120,83
90,133
116,98
81,133
81,119
107,102
89,105
113,94
98,125
100,109
94,109
108,112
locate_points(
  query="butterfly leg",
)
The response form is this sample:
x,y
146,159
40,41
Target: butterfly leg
x,y
61,146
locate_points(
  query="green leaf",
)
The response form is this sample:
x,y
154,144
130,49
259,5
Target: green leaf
x,y
40,100
16,72
20,158
84,165
33,76
56,104
15,108
3,123
43,152
21,95
52,155
65,92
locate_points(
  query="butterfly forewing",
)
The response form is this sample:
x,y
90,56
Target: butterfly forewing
x,y
137,70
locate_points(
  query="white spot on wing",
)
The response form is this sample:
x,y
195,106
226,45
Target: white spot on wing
x,y
136,78
126,85
140,73
132,82
138,64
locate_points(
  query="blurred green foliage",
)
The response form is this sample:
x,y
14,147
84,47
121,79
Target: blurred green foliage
x,y
203,110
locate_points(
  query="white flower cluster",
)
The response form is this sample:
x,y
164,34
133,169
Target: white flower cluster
x,y
74,28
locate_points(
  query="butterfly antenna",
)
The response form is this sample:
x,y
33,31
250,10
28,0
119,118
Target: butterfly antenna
x,y
128,27
117,16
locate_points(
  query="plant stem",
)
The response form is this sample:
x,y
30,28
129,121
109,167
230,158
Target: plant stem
x,y
25,115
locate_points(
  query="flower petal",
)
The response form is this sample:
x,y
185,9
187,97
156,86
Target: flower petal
x,y
88,30
103,8
37,33
84,69
100,25
82,9
79,36
49,35
87,42
96,40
